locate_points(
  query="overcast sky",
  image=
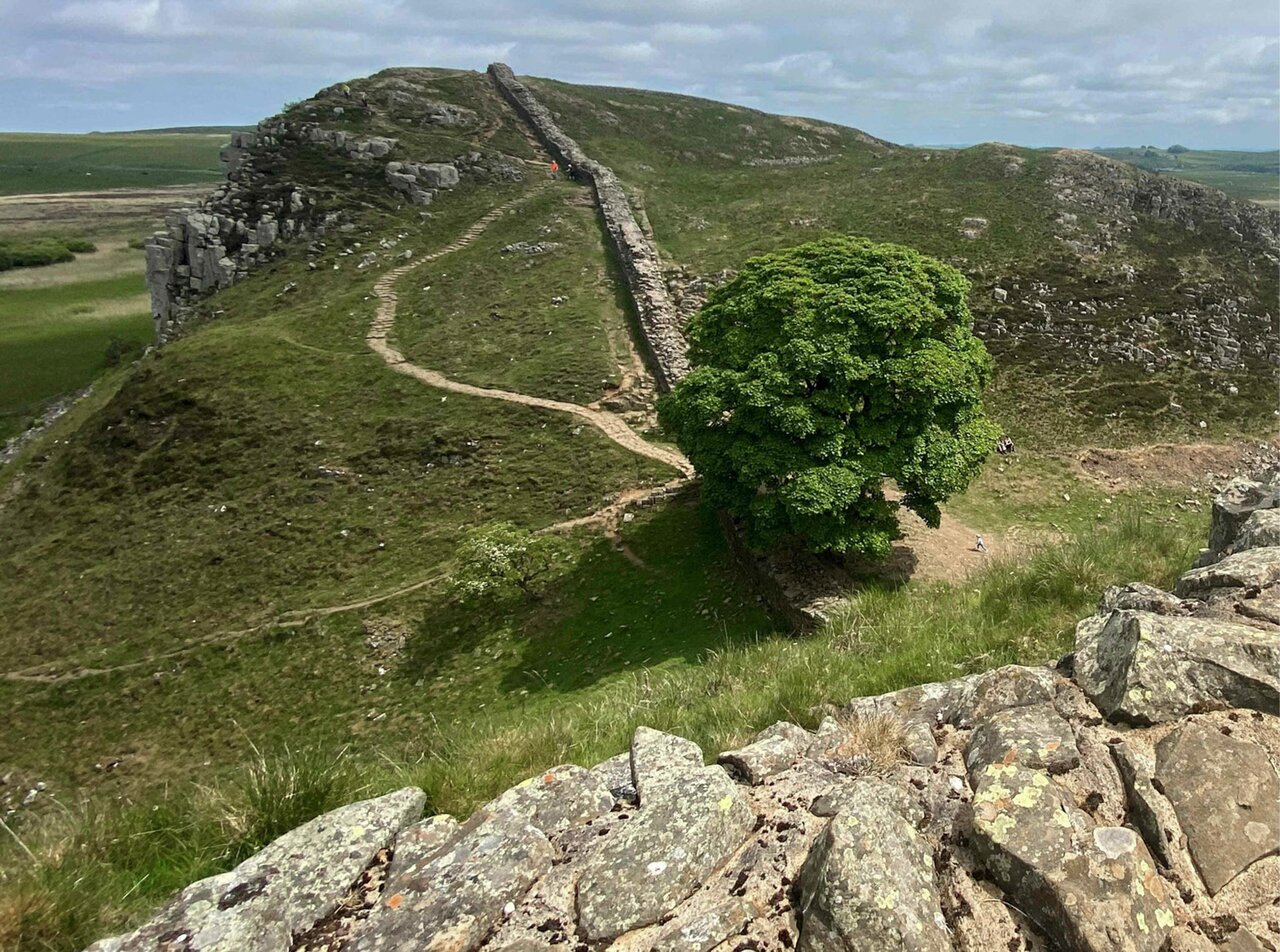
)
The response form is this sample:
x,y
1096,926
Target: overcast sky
x,y
1066,72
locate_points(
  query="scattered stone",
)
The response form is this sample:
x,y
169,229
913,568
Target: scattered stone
x,y
868,883
774,749
449,901
1036,737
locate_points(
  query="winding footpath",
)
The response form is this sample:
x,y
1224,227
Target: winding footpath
x,y
611,425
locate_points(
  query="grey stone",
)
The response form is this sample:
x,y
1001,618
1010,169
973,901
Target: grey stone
x,y
1232,509
438,175
708,928
1148,809
451,901
1149,668
773,751
1261,529
1095,888
1252,568
285,888
1225,793
1137,596
423,841
690,820
554,800
655,756
1035,736
614,775
868,883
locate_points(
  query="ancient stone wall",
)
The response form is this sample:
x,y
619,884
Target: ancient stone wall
x,y
1123,800
660,323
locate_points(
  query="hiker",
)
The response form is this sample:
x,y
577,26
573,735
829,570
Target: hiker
x,y
980,545
570,172
555,167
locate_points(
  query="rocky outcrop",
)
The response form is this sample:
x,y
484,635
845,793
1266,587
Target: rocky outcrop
x,y
659,319
1094,183
1125,799
244,223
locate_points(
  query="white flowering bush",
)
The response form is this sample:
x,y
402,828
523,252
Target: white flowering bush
x,y
497,559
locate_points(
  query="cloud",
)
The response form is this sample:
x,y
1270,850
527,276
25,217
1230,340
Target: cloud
x,y
1080,73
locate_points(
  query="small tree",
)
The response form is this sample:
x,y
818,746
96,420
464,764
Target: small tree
x,y
1178,149
818,372
501,557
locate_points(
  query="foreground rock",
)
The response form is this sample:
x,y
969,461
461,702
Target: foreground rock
x,y
301,877
1130,806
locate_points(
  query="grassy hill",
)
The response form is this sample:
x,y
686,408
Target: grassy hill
x,y
45,162
1252,176
236,551
720,183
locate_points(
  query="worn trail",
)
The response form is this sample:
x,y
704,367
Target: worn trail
x,y
608,423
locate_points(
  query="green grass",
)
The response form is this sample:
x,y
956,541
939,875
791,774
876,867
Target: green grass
x,y
552,324
98,872
54,340
688,162
42,162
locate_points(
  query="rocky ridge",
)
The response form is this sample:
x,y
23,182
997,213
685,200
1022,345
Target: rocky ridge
x,y
1124,799
244,223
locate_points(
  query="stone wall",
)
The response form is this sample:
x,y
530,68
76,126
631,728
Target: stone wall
x,y
660,323
1123,800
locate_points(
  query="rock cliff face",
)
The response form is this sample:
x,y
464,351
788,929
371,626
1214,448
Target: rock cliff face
x,y
245,222
1124,800
659,319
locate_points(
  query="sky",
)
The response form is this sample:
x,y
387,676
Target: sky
x,y
1203,73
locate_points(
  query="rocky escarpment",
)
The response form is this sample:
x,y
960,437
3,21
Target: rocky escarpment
x,y
659,320
1124,800
244,223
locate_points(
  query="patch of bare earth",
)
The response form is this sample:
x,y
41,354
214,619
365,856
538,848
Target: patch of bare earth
x,y
1167,464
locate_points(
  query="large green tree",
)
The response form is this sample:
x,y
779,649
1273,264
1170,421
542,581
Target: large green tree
x,y
819,372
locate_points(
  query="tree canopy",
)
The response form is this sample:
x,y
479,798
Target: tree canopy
x,y
818,372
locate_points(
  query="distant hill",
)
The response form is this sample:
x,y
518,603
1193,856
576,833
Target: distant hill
x,y
183,130
1253,176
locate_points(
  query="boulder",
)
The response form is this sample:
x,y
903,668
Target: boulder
x,y
868,883
438,175
451,900
1036,736
708,928
286,888
656,757
1252,568
1225,793
1233,507
614,775
1140,597
1260,530
774,750
691,818
1149,668
1095,888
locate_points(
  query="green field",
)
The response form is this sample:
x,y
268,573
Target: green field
x,y
54,338
1253,176
41,162
237,548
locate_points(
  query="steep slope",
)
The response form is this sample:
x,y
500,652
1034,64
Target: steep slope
x,y
1118,303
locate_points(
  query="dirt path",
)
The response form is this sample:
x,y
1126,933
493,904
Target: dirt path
x,y
383,323
611,425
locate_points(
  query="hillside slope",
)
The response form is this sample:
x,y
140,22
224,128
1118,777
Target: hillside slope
x,y
1116,302
391,325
